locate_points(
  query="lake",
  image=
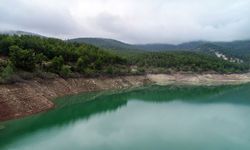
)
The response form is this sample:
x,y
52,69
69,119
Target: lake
x,y
146,118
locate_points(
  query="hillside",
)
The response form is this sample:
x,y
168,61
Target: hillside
x,y
188,46
19,33
121,46
27,56
235,49
106,44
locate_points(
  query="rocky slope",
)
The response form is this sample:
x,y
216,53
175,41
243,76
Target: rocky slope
x,y
30,97
22,99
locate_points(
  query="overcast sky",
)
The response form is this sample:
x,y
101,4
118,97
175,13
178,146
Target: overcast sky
x,y
133,21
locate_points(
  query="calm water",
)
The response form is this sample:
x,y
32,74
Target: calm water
x,y
149,118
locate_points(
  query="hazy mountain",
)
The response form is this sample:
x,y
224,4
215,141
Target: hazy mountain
x,y
12,32
156,47
239,49
232,51
106,43
118,45
237,46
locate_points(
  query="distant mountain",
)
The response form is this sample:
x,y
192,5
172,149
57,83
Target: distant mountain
x,y
234,49
106,43
156,47
189,46
228,50
12,32
121,46
237,45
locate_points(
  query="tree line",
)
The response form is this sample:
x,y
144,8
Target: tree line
x,y
34,53
39,55
188,61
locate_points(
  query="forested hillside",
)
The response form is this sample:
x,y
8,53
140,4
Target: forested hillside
x,y
235,49
26,56
37,54
121,46
186,61
108,44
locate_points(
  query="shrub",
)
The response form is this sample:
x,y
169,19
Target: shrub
x,y
8,76
8,71
65,71
23,59
90,72
25,75
82,64
57,64
113,70
45,75
110,70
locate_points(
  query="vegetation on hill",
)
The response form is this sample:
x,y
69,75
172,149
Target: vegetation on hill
x,y
235,49
104,43
239,49
187,61
27,56
37,54
116,45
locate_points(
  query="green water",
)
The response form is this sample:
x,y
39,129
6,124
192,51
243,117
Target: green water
x,y
149,118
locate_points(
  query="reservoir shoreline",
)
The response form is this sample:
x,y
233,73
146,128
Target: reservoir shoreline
x,y
33,96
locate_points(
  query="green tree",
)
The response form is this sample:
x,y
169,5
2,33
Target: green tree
x,y
57,64
8,71
65,71
5,43
22,59
39,59
82,63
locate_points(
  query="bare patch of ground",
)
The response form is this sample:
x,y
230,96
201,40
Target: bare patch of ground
x,y
199,79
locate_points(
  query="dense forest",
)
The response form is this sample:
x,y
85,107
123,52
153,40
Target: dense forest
x,y
27,56
187,61
235,49
43,56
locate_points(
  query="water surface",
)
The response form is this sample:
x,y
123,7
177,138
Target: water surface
x,y
148,118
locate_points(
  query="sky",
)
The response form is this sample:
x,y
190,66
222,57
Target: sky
x,y
132,21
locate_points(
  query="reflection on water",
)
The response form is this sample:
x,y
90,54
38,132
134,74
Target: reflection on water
x,y
153,117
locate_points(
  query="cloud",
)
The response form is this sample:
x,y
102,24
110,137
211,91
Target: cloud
x,y
36,16
141,21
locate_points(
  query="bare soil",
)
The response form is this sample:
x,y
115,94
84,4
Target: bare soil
x,y
34,96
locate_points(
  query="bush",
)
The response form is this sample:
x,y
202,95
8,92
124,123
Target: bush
x,y
8,71
113,70
40,58
109,70
3,63
141,70
23,59
45,75
65,71
57,64
89,72
8,74
25,75
81,64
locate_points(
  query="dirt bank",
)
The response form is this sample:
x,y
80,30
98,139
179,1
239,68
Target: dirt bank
x,y
199,79
22,99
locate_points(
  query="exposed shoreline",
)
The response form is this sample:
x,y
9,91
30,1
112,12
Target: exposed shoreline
x,y
34,96
199,79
